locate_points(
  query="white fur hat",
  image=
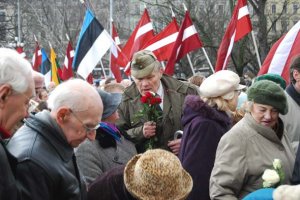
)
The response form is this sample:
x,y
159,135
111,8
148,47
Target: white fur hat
x,y
287,192
221,84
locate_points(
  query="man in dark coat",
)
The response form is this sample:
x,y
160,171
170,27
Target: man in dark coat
x,y
16,88
148,76
44,146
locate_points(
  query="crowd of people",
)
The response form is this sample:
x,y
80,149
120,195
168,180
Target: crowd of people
x,y
214,137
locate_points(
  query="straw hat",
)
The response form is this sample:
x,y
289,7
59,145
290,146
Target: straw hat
x,y
157,174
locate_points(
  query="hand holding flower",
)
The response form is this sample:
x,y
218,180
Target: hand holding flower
x,y
149,115
149,129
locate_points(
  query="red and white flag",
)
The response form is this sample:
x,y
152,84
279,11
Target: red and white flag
x,y
67,71
20,50
239,26
162,44
280,56
141,34
187,40
116,55
37,58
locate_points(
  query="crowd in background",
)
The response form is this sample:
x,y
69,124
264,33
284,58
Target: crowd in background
x,y
82,141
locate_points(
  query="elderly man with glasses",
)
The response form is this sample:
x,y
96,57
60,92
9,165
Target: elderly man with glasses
x,y
16,88
46,166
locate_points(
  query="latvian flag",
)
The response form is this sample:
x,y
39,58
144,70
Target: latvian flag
x,y
279,58
93,43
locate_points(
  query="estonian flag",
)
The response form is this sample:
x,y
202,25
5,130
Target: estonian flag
x,y
46,65
93,43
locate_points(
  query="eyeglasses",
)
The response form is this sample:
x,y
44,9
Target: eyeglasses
x,y
87,129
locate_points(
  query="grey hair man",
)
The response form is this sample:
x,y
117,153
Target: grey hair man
x,y
16,89
148,76
46,166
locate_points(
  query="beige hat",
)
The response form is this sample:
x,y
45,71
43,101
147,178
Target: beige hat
x,y
157,175
221,84
143,63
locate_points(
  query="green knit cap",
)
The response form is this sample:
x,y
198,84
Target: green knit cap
x,y
272,77
268,93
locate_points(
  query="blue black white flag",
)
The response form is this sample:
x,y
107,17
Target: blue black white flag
x,y
93,43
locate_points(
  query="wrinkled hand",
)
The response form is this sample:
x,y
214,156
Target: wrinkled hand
x,y
174,145
149,129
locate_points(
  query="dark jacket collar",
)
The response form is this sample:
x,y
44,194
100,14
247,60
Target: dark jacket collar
x,y
47,127
293,93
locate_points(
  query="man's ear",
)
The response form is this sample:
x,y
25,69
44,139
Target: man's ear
x,y
5,91
63,115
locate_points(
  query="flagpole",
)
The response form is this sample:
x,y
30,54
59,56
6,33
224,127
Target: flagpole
x,y
19,23
103,69
191,64
207,58
256,49
188,56
163,65
111,20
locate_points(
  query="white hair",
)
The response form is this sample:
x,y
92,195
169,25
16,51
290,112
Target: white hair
x,y
15,70
75,94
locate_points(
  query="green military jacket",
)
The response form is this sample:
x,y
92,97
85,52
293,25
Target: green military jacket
x,y
175,92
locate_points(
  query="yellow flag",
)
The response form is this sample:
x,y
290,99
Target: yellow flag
x,y
54,73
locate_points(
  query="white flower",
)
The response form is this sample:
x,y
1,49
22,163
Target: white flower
x,y
277,164
270,178
81,1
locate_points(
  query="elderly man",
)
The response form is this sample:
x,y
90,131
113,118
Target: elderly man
x,y
16,88
148,75
46,166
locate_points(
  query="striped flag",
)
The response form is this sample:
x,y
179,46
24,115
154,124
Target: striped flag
x,y
115,53
162,44
67,71
142,33
187,40
280,56
239,26
93,43
54,67
37,57
20,50
46,64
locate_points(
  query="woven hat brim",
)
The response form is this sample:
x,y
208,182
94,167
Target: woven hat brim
x,y
140,192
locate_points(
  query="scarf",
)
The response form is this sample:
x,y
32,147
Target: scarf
x,y
293,93
111,129
4,134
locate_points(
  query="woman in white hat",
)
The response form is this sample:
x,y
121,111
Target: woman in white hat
x,y
205,120
256,143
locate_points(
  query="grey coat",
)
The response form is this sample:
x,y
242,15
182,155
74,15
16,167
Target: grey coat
x,y
291,121
174,94
243,154
93,160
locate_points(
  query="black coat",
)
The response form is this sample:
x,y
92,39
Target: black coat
x,y
8,188
109,186
46,167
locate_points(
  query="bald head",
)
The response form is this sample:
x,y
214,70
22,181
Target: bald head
x,y
75,94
